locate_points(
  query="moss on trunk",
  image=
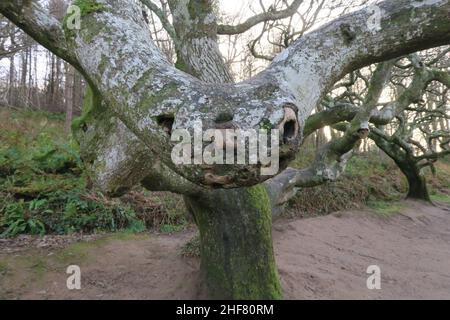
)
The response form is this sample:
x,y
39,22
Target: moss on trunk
x,y
417,186
236,243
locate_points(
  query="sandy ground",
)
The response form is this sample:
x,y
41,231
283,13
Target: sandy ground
x,y
318,258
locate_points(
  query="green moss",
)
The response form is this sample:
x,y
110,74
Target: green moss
x,y
236,244
441,197
223,117
199,9
265,124
88,6
260,199
151,99
180,64
39,267
78,252
126,235
91,104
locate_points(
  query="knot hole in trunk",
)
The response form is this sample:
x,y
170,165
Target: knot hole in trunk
x,y
166,123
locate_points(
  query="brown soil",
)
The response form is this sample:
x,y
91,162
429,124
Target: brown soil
x,y
318,258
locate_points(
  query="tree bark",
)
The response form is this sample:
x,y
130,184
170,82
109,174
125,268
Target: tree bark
x,y
23,80
12,81
69,87
417,185
237,258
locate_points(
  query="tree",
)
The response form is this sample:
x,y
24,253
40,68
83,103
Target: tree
x,y
405,114
137,98
416,122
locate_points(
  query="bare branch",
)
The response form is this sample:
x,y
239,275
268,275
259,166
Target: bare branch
x,y
262,17
162,17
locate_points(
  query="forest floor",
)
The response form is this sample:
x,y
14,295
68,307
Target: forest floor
x,y
322,257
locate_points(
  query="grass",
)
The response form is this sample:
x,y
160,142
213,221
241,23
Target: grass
x,y
128,236
439,184
3,268
39,266
385,209
78,252
29,269
441,197
24,270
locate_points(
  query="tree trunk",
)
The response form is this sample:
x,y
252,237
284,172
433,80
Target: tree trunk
x,y
11,84
237,258
77,93
417,186
69,97
23,79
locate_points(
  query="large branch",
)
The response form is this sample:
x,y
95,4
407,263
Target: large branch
x,y
316,61
144,125
342,111
262,17
115,159
331,159
152,98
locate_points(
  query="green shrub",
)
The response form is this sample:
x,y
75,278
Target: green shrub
x,y
43,189
19,218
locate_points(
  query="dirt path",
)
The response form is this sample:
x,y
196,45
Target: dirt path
x,y
318,258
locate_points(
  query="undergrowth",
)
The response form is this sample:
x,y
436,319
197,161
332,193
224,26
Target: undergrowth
x,y
43,190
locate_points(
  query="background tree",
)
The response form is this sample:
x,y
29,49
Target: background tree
x,y
412,133
38,79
